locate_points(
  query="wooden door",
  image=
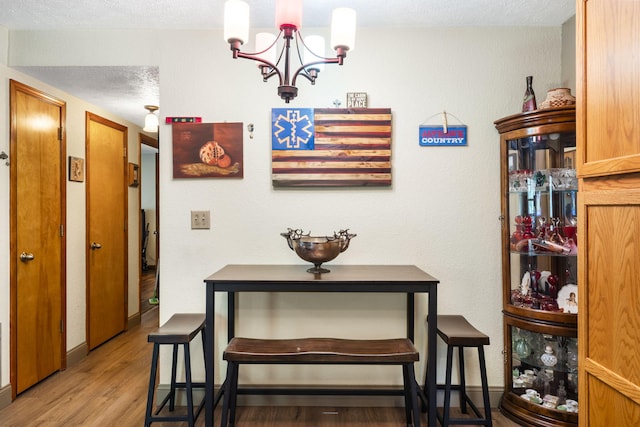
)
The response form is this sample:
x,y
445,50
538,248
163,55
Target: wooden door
x,y
106,229
37,236
608,132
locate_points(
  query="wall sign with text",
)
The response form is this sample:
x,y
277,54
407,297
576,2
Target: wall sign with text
x,y
439,136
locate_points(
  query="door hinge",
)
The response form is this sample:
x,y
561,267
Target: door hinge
x,y
60,134
124,152
61,230
62,326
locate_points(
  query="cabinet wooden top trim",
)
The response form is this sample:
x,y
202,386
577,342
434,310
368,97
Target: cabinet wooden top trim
x,y
536,118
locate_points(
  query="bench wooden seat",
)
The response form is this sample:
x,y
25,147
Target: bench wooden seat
x,y
400,351
457,332
180,329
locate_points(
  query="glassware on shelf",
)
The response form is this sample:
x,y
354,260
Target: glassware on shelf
x,y
520,180
548,358
522,348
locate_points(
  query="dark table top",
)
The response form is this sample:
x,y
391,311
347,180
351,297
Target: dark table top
x,y
341,278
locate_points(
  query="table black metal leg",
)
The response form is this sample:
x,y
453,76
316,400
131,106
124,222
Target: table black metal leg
x,y
432,336
208,356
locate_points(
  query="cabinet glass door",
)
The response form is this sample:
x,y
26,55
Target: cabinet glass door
x,y
544,371
542,206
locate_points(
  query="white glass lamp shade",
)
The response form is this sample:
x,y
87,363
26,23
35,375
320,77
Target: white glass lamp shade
x,y
314,51
236,21
265,47
289,13
151,123
343,28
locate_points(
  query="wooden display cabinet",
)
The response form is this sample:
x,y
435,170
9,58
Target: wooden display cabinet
x,y
539,208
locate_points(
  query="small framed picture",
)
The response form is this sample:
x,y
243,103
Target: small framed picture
x,y
76,169
134,175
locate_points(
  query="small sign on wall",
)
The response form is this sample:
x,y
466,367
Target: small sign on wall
x,y
439,136
356,100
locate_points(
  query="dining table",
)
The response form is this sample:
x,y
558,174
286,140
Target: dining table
x,y
234,279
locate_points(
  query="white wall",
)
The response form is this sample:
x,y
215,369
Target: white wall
x,y
76,224
441,213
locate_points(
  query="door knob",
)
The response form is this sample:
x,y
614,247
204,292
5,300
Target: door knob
x,y
95,245
25,257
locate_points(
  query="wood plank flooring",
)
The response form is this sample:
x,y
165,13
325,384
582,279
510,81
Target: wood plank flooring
x,y
109,388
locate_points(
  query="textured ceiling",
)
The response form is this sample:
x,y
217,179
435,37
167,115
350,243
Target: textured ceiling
x,y
207,14
125,90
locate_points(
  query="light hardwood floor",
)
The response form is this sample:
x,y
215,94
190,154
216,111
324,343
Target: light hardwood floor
x,y
109,388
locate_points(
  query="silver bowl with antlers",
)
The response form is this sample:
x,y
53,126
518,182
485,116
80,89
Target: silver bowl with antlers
x,y
319,249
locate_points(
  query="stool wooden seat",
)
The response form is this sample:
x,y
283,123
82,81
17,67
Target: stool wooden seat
x,y
180,329
456,331
399,351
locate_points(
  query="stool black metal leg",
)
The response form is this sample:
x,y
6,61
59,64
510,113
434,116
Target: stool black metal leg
x,y
172,391
463,384
485,387
447,387
152,384
188,385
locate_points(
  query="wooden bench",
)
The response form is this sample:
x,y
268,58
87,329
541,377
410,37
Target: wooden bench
x,y
458,333
315,351
180,329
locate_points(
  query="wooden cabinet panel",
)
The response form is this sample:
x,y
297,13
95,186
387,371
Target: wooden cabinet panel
x,y
611,42
613,293
610,407
608,151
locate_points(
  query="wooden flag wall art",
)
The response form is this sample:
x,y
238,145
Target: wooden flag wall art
x,y
331,147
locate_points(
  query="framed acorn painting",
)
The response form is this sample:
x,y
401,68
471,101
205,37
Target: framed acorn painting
x,y
207,150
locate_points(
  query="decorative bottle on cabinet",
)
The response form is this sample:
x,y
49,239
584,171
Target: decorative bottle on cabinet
x,y
539,213
529,101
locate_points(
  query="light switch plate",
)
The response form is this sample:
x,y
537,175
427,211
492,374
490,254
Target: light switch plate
x,y
200,220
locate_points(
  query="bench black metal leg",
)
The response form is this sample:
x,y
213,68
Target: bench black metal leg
x,y
233,397
407,394
413,395
229,390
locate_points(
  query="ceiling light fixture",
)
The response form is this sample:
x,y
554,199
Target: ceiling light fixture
x,y
288,21
151,120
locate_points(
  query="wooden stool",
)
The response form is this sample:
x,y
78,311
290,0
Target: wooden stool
x,y
181,328
456,331
316,351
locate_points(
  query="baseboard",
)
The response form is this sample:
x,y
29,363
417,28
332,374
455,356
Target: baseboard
x,y
5,396
474,392
134,320
77,354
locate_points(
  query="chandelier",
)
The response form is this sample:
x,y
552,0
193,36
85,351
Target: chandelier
x,y
309,51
